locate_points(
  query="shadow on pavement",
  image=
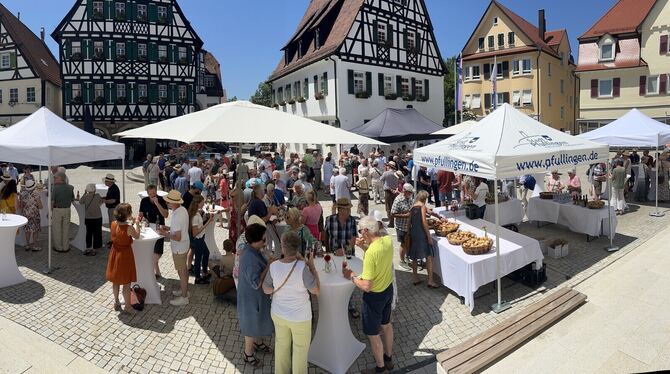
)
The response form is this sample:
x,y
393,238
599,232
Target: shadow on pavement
x,y
25,293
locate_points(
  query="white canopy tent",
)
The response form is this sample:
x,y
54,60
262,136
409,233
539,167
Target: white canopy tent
x,y
505,144
456,129
45,139
634,129
244,122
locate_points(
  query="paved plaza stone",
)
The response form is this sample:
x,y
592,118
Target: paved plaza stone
x,y
72,307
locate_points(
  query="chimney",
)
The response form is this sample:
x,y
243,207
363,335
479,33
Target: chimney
x,y
541,23
18,15
42,33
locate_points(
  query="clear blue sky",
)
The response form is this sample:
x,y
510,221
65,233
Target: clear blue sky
x,y
246,35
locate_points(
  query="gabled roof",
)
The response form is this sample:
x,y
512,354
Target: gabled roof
x,y
34,50
316,12
624,17
528,29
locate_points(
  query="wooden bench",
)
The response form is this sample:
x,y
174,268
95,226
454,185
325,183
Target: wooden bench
x,y
480,351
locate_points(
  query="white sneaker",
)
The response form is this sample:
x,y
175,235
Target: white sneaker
x,y
180,301
178,293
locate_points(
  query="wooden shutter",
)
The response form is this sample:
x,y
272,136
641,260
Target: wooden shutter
x,y
153,93
189,54
375,31
170,13
153,12
412,87
107,6
350,81
89,9
426,89
487,71
325,79
368,83
112,49
417,41
505,69
664,45
643,85
88,93
389,35
112,94
305,89
67,48
594,88
616,87
404,36
398,85
136,93
189,94
380,84
12,60
487,101
171,52
663,86
505,97
317,88
68,92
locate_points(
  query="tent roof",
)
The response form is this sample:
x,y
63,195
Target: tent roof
x,y
634,129
44,138
398,125
456,129
244,122
508,143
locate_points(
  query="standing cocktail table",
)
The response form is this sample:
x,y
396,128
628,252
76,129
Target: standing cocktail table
x,y
9,271
143,250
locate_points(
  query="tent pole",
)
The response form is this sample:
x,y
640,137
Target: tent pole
x,y
123,179
49,269
500,306
611,248
656,213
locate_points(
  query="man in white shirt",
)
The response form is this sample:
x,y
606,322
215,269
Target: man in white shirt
x,y
342,186
195,174
179,244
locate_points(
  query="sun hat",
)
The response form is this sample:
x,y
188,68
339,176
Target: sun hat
x,y
625,153
6,176
174,197
90,187
30,185
555,171
343,202
391,164
199,185
110,178
377,215
408,187
399,174
255,220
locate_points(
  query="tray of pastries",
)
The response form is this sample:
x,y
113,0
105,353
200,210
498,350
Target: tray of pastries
x,y
595,204
477,245
446,228
459,237
546,195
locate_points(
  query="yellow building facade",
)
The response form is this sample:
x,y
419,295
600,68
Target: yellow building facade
x,y
624,63
535,69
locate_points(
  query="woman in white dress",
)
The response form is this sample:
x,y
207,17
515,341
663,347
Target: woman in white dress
x,y
327,170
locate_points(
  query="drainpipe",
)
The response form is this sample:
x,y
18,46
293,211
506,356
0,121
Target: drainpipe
x,y
539,76
577,84
337,112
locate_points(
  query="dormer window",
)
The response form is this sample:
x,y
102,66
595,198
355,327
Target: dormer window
x,y
286,59
607,52
317,39
495,21
299,49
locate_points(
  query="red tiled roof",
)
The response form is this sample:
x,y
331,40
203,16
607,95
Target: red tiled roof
x,y
532,32
624,17
316,12
627,56
554,38
33,49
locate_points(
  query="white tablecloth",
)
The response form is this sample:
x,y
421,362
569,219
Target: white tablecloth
x,y
511,213
334,347
214,249
593,222
464,274
143,250
9,270
101,189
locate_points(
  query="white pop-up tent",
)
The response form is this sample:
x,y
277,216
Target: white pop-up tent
x,y
244,122
456,129
634,129
45,139
506,144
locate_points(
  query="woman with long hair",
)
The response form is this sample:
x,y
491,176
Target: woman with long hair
x,y
198,245
224,190
121,263
236,219
421,243
8,198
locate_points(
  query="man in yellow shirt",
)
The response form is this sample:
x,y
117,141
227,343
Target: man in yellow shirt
x,y
376,282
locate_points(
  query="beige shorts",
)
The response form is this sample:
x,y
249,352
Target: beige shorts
x,y
180,261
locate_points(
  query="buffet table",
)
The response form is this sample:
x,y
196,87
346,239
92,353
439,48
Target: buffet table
x,y
143,251
464,274
9,270
334,347
592,222
511,212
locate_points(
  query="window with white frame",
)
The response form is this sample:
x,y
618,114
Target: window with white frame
x,y
467,73
182,93
120,49
5,60
481,43
162,91
209,81
30,94
516,98
511,38
120,90
527,97
142,51
418,88
388,84
467,101
476,102
499,70
182,54
381,32
562,86
162,52
605,88
76,90
142,90
162,12
13,95
491,41
526,66
607,52
287,92
76,48
652,85
495,21
120,9
411,39
99,90
404,86
475,72
142,11
359,81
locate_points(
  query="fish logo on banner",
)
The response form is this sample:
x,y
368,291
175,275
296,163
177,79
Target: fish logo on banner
x,y
466,143
539,141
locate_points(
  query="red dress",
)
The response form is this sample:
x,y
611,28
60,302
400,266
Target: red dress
x,y
121,264
225,193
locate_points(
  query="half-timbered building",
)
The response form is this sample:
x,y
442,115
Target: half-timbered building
x,y
209,88
127,63
349,60
29,73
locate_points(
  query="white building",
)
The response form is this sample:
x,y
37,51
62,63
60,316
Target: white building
x,y
350,60
29,73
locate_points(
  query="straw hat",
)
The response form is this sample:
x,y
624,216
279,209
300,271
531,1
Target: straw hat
x,y
30,185
174,197
625,153
109,178
343,202
399,174
255,220
408,188
392,165
6,177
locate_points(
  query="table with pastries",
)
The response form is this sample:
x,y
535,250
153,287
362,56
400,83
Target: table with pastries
x,y
511,212
579,219
465,274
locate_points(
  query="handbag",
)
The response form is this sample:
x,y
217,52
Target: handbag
x,y
137,297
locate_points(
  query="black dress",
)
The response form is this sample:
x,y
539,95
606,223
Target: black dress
x,y
420,248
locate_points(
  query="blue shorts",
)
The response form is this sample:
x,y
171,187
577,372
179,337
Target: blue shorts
x,y
376,309
400,235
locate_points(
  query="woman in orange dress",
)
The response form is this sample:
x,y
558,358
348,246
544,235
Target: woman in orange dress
x,y
121,264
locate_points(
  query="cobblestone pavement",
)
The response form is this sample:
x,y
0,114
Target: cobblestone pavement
x,y
73,306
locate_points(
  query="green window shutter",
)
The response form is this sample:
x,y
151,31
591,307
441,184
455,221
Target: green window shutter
x,y
380,83
88,93
153,93
317,87
417,42
153,52
112,49
170,52
131,11
413,87
107,6
398,85
12,59
189,54
305,88
112,88
350,81
89,8
67,48
88,50
135,94
375,29
325,79
153,12
368,83
170,14
189,93
68,92
389,37
404,36
426,89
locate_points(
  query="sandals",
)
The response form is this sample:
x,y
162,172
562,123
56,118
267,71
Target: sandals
x,y
262,348
251,359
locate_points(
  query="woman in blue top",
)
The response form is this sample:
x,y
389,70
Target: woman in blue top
x,y
253,306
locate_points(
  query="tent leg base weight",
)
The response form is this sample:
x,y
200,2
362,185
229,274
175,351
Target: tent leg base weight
x,y
612,249
499,308
657,214
50,270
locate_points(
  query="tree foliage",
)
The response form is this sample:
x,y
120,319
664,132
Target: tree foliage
x,y
263,95
449,91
